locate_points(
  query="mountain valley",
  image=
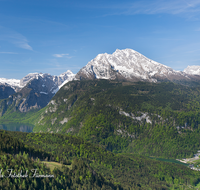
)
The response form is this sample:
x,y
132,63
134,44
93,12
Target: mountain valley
x,y
103,123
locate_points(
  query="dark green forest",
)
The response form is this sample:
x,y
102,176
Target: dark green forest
x,y
22,157
91,166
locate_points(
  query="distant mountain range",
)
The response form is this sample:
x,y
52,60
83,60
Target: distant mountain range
x,y
17,84
124,64
35,90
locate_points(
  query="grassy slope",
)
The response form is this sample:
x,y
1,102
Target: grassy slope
x,y
53,165
30,117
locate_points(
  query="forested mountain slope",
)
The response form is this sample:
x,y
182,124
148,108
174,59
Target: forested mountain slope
x,y
27,169
86,166
159,119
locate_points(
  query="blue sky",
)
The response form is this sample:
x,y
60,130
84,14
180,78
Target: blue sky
x,y
52,36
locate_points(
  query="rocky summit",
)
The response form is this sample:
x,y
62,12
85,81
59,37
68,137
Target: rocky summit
x,y
129,65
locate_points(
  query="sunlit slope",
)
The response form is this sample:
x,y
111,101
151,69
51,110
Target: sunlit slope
x,y
21,157
92,165
152,119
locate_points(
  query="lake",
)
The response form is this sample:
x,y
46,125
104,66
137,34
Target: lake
x,y
17,127
169,160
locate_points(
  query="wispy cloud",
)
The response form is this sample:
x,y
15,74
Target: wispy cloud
x,y
190,7
8,53
171,7
62,55
19,40
15,38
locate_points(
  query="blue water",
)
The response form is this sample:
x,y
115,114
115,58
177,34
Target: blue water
x,y
17,127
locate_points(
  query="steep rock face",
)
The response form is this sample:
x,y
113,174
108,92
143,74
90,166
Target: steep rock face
x,y
128,65
37,92
35,95
52,84
64,78
58,80
41,92
6,91
54,81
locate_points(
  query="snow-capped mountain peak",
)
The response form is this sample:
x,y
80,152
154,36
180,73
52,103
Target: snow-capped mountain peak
x,y
126,64
68,73
25,80
49,82
53,81
36,89
10,82
192,70
57,79
66,77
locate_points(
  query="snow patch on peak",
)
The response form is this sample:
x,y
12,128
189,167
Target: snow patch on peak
x,y
126,63
66,77
30,77
10,82
192,70
68,72
58,80
125,51
46,84
43,92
